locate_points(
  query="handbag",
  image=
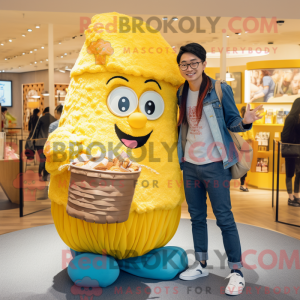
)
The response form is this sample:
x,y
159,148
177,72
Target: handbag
x,y
290,150
29,145
245,151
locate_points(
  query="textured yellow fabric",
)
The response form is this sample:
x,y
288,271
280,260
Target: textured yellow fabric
x,y
134,53
86,118
135,237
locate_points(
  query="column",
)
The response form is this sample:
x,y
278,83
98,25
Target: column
x,y
223,57
51,69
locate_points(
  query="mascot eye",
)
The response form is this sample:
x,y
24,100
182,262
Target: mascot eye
x,y
152,105
122,101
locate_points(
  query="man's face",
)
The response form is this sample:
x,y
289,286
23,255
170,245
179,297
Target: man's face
x,y
192,66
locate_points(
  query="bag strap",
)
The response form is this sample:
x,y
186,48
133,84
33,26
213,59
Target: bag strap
x,y
219,91
180,90
35,128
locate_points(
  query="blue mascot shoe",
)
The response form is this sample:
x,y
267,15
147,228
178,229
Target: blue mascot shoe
x,y
93,270
162,263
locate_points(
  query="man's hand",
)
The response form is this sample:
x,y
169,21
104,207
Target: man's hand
x,y
252,115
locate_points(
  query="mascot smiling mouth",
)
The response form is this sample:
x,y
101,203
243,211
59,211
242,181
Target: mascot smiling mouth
x,y
130,141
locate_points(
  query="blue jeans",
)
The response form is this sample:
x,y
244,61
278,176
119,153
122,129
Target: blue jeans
x,y
214,179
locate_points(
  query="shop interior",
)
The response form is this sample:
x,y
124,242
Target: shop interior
x,y
30,79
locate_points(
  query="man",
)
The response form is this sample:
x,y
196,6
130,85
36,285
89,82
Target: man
x,y
41,135
57,115
203,121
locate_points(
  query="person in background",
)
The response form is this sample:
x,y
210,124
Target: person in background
x,y
41,135
57,115
248,137
295,85
291,135
268,84
3,118
33,120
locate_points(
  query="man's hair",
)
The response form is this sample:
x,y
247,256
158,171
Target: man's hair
x,y
3,109
46,110
193,48
59,108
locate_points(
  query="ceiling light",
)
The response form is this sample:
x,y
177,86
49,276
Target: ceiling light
x,y
165,18
29,30
46,59
31,64
35,49
62,56
229,77
280,22
30,51
23,35
41,61
5,58
43,47
2,44
2,70
228,36
63,71
66,53
35,62
23,53
10,41
37,26
175,19
19,67
46,93
59,43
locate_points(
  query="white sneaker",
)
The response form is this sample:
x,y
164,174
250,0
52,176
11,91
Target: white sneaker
x,y
235,285
193,272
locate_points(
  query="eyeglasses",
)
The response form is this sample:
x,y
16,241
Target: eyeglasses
x,y
194,65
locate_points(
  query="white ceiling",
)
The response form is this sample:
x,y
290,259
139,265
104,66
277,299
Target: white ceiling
x,y
288,9
67,25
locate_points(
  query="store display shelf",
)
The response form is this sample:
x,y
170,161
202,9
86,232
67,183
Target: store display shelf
x,y
271,103
272,125
270,152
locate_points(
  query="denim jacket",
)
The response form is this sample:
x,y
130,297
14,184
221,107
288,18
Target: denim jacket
x,y
220,117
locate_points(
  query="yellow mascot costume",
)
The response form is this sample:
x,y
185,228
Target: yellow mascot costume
x,y
123,94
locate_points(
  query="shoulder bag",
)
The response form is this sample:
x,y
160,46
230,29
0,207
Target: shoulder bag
x,y
245,151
